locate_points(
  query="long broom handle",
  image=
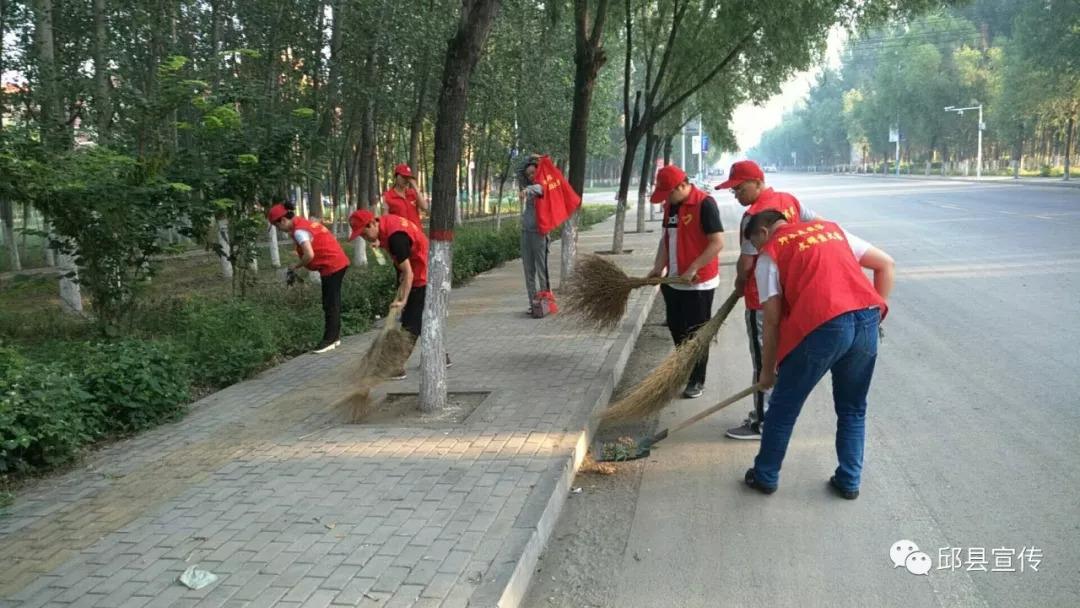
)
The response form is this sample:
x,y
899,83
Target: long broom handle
x,y
746,392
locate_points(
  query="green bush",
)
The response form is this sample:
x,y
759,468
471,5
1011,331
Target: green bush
x,y
224,342
45,415
137,384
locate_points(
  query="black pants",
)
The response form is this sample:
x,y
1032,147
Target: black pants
x,y
413,314
331,305
687,311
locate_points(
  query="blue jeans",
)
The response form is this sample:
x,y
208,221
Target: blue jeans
x,y
847,346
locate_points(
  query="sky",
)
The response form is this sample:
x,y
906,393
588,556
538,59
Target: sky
x,y
751,121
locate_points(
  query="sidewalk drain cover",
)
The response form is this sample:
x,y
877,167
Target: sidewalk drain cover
x,y
403,409
609,252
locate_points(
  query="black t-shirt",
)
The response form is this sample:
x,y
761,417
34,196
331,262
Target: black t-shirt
x,y
710,216
400,246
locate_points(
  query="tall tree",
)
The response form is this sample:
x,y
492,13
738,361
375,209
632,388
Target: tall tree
x,y
474,25
589,57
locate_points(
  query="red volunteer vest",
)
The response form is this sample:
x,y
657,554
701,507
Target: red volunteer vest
x,y
329,257
403,205
820,279
418,256
769,199
691,239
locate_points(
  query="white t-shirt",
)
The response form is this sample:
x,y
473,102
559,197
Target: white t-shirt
x,y
301,236
767,274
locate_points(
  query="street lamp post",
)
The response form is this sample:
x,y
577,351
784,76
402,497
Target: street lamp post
x,y
960,111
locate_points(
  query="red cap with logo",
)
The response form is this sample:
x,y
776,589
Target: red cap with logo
x,y
359,220
741,171
276,212
667,179
403,170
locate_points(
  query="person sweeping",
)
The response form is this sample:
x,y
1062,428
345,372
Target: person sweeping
x,y
320,251
746,181
408,246
821,314
691,241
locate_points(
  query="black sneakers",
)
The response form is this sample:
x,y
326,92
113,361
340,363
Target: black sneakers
x,y
753,483
694,390
747,431
841,492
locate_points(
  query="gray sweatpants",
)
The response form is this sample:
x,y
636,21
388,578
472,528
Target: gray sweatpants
x,y
534,257
755,321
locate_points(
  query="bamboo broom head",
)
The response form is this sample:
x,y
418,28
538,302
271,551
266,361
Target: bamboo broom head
x,y
657,389
597,291
388,351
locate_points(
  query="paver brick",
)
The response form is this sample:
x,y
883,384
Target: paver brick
x,y
258,486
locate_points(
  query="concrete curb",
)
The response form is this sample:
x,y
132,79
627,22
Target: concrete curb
x,y
515,564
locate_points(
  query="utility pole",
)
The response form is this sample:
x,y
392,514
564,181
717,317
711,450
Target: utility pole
x,y
982,125
682,148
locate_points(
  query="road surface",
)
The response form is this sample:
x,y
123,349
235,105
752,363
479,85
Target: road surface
x,y
973,442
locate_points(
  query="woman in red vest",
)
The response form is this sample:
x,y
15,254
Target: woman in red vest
x,y
822,314
404,198
319,250
692,240
408,246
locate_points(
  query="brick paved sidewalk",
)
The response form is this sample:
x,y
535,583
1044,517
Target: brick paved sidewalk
x,y
264,485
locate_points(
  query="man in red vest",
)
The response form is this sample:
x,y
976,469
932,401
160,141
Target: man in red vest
x,y
747,182
821,314
319,250
692,240
408,246
405,199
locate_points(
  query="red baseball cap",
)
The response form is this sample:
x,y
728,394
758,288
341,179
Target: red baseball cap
x,y
276,212
359,220
741,171
667,179
403,170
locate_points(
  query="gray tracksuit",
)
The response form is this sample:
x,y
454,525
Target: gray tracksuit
x,y
534,246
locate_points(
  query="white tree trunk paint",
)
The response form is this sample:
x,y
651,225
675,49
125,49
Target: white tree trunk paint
x,y
223,240
359,254
14,263
70,293
433,332
275,250
50,253
569,247
641,213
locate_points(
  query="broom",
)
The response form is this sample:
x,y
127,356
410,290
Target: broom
x,y
386,356
630,449
662,384
597,290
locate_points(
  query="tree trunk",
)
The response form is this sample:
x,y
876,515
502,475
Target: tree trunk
x,y
643,182
70,294
102,86
589,57
7,216
53,129
226,250
1068,147
275,250
624,188
416,125
474,24
367,146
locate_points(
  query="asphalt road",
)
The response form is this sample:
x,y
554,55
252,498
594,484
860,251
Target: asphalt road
x,y
973,425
